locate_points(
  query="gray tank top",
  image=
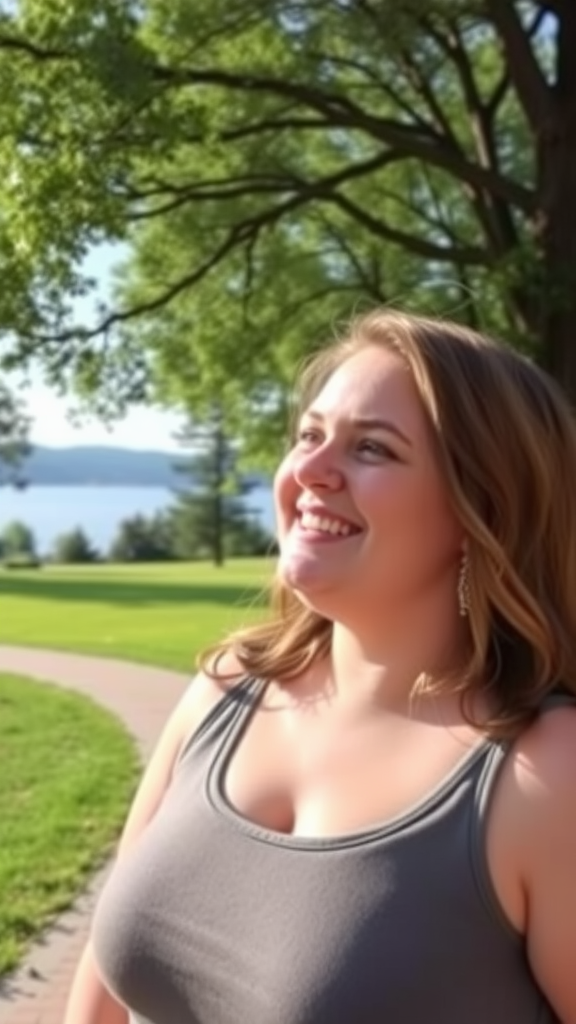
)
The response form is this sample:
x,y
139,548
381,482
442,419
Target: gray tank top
x,y
210,919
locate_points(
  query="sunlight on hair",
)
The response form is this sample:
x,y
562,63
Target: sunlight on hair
x,y
505,438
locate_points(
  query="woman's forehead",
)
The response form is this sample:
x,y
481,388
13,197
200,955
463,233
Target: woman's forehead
x,y
372,383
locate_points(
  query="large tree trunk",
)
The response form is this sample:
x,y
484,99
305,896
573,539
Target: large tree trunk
x,y
557,228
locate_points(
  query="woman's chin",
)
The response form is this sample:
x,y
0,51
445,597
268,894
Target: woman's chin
x,y
304,577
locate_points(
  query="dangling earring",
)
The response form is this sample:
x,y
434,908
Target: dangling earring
x,y
464,586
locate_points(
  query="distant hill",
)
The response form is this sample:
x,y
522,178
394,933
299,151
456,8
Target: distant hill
x,y
83,465
106,466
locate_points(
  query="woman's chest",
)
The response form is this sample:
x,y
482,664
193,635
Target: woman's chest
x,y
305,776
206,923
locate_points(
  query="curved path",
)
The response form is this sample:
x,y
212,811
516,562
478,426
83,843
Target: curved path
x,y
142,697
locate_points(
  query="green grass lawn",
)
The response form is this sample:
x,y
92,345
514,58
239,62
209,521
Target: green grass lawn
x,y
66,767
67,773
159,614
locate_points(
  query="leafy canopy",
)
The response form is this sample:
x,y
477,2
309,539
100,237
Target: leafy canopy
x,y
272,167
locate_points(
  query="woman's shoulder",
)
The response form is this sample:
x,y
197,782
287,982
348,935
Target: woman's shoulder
x,y
539,790
546,750
544,755
219,675
536,793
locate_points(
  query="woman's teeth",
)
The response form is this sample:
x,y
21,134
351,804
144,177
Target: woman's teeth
x,y
308,521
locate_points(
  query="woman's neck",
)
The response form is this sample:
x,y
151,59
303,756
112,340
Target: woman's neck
x,y
382,667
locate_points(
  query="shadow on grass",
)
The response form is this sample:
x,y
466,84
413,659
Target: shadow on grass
x,y
134,594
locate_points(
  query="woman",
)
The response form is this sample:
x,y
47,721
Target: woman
x,y
364,809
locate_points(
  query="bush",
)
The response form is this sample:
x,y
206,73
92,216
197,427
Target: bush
x,y
74,548
17,539
22,561
245,538
141,540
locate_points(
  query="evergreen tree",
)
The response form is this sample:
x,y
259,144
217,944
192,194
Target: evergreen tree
x,y
210,518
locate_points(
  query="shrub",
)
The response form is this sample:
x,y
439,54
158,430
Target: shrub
x,y
74,548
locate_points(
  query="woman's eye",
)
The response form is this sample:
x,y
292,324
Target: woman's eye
x,y
377,448
307,436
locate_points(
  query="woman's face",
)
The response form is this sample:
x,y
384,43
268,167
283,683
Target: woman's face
x,y
363,514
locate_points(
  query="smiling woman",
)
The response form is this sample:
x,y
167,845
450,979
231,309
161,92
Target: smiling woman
x,y
364,808
390,476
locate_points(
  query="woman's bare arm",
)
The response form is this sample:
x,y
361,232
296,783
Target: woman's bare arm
x,y
547,778
90,1002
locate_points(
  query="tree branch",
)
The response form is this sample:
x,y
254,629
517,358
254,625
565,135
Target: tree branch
x,y
498,95
473,255
273,125
341,112
561,8
423,88
385,87
533,92
245,185
456,52
440,218
19,45
217,189
239,234
370,282
246,232
492,211
162,299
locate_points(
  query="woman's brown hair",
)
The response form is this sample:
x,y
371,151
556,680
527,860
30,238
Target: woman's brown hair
x,y
506,442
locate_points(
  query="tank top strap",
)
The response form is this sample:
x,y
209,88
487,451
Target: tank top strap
x,y
499,750
224,717
560,698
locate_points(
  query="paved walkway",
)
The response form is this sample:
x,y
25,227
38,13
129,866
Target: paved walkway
x,y
143,698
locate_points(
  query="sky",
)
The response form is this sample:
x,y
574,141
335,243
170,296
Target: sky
x,y
141,428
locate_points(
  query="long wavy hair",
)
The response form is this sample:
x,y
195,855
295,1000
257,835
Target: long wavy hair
x,y
505,439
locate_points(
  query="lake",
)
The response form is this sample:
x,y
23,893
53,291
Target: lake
x,y
50,511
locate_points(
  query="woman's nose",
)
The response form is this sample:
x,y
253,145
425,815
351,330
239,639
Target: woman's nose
x,y
319,468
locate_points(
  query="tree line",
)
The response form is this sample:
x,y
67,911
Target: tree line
x,y
208,520
179,534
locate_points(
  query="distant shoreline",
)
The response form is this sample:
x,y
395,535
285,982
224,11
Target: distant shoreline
x,y
29,484
50,510
91,466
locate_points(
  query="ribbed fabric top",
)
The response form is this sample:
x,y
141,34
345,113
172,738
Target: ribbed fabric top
x,y
210,919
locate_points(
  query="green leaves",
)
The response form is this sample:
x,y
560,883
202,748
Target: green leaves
x,y
271,167
14,445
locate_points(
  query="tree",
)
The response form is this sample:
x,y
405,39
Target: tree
x,y
139,539
202,514
272,166
245,537
17,540
74,547
210,518
194,535
14,445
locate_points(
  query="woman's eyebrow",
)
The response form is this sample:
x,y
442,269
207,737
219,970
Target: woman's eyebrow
x,y
369,423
